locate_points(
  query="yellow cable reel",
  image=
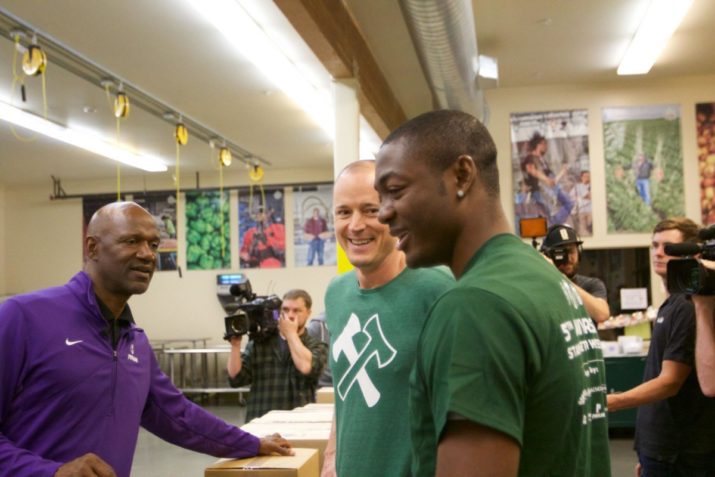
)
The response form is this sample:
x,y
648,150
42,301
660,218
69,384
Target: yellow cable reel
x,y
255,173
34,61
181,134
121,105
224,156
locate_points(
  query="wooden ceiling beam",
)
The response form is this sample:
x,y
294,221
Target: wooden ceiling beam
x,y
330,31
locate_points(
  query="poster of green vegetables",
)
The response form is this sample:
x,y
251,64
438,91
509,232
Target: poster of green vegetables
x,y
208,243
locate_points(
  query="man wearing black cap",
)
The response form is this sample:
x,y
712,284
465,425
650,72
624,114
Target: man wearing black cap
x,y
563,247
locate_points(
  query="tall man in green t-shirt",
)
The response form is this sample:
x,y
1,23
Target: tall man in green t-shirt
x,y
374,314
509,376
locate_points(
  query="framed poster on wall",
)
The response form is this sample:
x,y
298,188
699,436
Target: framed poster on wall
x,y
644,166
551,168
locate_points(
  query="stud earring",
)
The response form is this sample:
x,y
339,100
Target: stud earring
x,y
460,193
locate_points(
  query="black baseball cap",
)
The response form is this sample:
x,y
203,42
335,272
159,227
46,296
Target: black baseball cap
x,y
560,235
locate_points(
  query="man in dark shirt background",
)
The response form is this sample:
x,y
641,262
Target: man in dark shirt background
x,y
675,435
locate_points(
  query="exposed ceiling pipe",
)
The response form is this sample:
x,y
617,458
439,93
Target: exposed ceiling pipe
x,y
446,43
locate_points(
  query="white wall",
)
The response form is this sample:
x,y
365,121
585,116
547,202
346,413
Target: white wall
x,y
686,92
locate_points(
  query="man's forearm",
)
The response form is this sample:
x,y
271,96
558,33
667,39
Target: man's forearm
x,y
234,364
597,308
300,354
705,343
329,455
665,385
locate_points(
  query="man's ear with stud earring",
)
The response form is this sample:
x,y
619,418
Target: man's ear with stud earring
x,y
460,194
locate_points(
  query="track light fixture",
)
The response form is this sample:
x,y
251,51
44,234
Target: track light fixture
x,y
121,103
181,134
34,60
224,156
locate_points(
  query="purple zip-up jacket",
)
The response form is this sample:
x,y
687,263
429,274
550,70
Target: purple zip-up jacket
x,y
64,391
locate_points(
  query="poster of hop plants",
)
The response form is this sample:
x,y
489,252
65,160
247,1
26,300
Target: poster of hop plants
x,y
705,126
644,166
261,228
313,230
551,168
208,236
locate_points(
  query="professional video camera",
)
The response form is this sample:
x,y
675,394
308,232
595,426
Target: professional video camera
x,y
688,275
254,315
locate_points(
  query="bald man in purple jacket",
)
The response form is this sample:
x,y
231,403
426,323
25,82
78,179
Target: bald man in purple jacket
x,y
78,377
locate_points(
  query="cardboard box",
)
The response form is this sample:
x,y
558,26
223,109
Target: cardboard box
x,y
325,395
303,464
312,435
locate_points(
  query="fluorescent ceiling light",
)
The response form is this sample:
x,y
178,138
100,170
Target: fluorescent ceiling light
x,y
488,67
84,141
235,22
660,21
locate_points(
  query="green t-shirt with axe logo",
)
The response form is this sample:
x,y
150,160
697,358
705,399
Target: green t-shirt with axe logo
x,y
373,337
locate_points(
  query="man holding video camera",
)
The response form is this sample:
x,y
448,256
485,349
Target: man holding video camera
x,y
674,431
283,367
563,248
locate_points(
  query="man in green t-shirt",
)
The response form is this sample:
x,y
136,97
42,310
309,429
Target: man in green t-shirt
x,y
374,314
509,376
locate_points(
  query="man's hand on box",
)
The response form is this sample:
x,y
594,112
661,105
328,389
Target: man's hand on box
x,y
275,444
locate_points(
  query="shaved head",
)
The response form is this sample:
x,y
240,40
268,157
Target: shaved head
x,y
110,213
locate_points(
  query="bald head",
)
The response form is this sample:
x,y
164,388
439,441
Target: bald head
x,y
112,213
362,166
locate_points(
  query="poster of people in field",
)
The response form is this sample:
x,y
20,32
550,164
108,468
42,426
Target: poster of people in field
x,y
551,168
705,127
261,227
313,232
208,231
644,166
161,205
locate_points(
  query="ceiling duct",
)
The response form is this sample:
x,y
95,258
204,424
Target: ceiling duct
x,y
446,43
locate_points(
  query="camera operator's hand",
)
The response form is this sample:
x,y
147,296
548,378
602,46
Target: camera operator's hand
x,y
705,304
287,326
89,465
275,444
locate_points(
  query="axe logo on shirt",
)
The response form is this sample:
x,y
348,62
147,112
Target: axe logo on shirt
x,y
360,346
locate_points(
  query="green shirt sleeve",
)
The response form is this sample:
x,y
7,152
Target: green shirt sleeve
x,y
479,364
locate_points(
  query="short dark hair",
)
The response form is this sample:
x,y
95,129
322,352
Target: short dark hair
x,y
687,227
442,136
298,293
